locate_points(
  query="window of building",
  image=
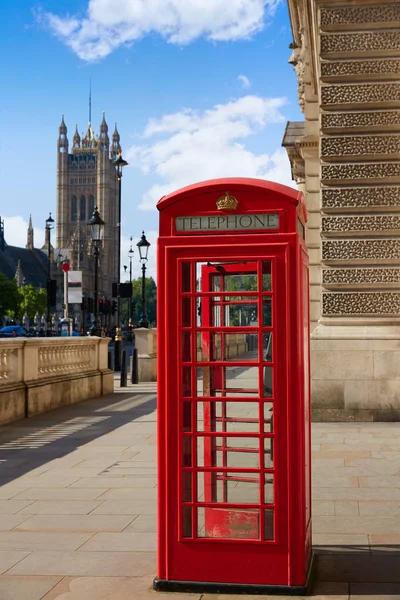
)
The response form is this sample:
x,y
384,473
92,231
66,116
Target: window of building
x,y
82,214
91,205
74,208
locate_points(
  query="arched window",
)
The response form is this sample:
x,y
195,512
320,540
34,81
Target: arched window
x,y
91,205
74,208
82,212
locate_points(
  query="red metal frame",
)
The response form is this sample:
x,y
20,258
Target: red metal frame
x,y
186,554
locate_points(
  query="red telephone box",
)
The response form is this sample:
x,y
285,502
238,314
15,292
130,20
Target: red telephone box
x,y
234,481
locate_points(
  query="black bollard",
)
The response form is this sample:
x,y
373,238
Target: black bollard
x,y
123,370
110,360
117,355
134,371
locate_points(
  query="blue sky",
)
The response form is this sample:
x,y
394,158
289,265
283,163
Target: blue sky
x,y
199,89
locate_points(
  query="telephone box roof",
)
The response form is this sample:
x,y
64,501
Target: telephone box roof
x,y
232,183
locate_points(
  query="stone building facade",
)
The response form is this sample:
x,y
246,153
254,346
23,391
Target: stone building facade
x,y
345,157
86,177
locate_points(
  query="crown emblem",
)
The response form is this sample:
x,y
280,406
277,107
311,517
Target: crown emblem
x,y
227,202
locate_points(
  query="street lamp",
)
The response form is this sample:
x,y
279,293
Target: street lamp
x,y
96,224
143,246
131,253
49,227
119,164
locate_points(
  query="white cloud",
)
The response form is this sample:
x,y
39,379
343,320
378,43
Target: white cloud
x,y
104,28
244,81
15,232
192,146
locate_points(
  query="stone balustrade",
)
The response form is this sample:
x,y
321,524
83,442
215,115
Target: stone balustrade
x,y
39,374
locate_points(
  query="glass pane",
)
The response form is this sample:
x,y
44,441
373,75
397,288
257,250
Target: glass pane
x,y
186,416
186,312
187,486
186,350
228,523
239,416
229,347
186,451
246,282
267,346
268,524
268,453
214,381
228,452
266,276
269,489
186,381
187,522
223,487
186,277
267,312
268,417
240,313
268,382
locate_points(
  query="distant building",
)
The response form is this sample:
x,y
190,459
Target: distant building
x,y
86,177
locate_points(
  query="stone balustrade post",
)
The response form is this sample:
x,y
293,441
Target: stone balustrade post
x,y
146,344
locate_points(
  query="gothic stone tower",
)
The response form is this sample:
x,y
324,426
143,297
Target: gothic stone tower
x,y
86,178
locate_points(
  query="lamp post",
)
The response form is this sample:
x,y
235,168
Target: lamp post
x,y
143,246
131,253
49,227
96,224
119,164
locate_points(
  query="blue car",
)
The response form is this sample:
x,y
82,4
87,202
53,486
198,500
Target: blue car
x,y
11,331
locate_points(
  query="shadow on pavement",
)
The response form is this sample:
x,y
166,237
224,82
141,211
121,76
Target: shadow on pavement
x,y
31,443
359,570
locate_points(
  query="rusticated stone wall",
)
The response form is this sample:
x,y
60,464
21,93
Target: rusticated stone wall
x,y
359,67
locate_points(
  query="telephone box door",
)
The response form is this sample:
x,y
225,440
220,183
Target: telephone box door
x,y
228,507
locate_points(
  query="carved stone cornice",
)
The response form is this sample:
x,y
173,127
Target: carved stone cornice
x,y
359,17
363,121
352,70
361,303
377,277
385,251
362,172
376,43
360,224
361,146
358,198
372,95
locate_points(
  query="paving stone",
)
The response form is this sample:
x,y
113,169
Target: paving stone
x,y
8,522
349,507
111,588
26,588
323,507
356,524
60,494
143,523
101,564
379,508
9,558
73,507
130,493
380,482
375,591
92,522
116,481
121,542
126,507
11,507
340,542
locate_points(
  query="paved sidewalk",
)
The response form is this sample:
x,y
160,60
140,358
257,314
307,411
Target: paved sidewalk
x,y
78,504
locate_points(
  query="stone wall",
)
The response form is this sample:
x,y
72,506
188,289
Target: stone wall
x,y
347,61
39,374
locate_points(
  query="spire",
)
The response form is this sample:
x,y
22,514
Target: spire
x,y
29,237
76,140
19,277
63,128
90,99
103,125
115,146
62,136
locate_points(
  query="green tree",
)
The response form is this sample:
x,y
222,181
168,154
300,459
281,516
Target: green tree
x,y
9,297
31,301
151,302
